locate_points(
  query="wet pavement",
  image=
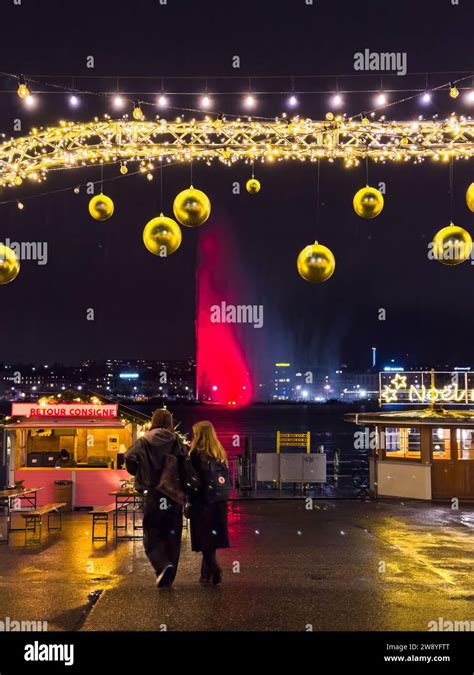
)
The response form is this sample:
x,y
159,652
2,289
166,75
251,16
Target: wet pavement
x,y
342,565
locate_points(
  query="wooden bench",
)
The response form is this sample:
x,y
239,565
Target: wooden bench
x,y
34,521
100,516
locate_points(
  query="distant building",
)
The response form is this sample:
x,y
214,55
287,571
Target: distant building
x,y
137,379
282,385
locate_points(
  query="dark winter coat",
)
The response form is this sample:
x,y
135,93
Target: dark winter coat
x,y
145,458
209,526
161,526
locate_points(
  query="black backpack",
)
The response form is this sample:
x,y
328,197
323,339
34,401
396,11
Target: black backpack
x,y
216,484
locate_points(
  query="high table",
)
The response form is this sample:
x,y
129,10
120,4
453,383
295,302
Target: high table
x,y
7,497
123,500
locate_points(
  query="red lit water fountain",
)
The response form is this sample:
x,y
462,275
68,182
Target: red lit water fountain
x,y
221,370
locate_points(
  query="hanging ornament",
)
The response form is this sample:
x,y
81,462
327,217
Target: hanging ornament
x,y
137,112
316,263
470,197
253,186
23,91
453,91
9,264
368,202
191,207
162,236
101,207
123,169
452,245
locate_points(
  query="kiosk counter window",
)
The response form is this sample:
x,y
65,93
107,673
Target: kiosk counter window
x,y
402,443
465,443
441,444
88,447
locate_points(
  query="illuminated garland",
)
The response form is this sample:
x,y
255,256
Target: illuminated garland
x,y
70,145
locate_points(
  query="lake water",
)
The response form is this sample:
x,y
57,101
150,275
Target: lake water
x,y
261,422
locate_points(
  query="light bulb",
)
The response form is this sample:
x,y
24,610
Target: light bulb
x,y
249,101
149,176
292,101
381,99
206,101
337,100
74,101
162,101
426,98
118,102
470,96
453,92
30,101
21,206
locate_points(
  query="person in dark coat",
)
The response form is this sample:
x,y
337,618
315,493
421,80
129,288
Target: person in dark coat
x,y
209,526
162,517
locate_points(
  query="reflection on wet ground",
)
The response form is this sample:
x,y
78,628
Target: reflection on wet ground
x,y
340,565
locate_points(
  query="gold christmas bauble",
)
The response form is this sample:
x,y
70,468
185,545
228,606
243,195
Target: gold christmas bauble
x,y
253,186
452,245
162,236
316,263
123,169
23,91
368,202
191,207
101,207
470,197
138,114
9,264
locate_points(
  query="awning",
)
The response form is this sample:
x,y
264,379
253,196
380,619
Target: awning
x,y
66,423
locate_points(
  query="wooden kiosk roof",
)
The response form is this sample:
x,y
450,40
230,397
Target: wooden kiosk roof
x,y
427,416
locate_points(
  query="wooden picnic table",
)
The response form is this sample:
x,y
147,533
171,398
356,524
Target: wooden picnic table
x,y
124,499
27,495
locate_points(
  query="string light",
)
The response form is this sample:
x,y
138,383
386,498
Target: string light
x,y
20,206
206,102
71,145
73,101
249,101
292,101
162,101
381,99
470,96
30,101
118,102
336,101
426,97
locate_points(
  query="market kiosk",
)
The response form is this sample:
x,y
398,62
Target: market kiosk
x,y
425,453
96,436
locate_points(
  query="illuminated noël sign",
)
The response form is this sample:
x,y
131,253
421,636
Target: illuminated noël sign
x,y
425,387
105,411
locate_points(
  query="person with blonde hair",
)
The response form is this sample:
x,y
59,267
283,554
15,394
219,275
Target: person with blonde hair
x,y
208,511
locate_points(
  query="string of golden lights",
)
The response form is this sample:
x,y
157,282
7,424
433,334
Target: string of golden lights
x,y
159,142
70,145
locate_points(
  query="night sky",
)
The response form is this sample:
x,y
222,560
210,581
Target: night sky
x,y
145,306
